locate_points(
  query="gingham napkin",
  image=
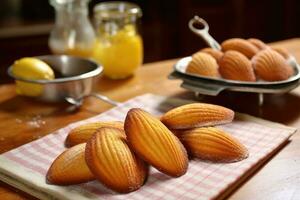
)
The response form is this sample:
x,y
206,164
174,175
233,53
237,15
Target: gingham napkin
x,y
26,166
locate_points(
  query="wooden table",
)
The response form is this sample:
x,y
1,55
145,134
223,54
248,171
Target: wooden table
x,y
23,120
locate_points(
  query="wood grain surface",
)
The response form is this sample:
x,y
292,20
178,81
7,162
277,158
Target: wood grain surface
x,y
23,120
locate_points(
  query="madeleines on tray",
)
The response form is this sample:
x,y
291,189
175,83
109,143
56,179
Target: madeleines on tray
x,y
260,45
243,46
213,52
243,60
203,64
235,66
271,66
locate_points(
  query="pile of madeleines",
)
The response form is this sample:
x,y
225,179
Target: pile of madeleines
x,y
242,60
119,154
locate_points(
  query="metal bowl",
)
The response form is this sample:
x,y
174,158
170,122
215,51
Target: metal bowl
x,y
73,77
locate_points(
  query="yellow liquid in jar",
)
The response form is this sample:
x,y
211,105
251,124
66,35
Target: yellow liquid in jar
x,y
120,54
80,52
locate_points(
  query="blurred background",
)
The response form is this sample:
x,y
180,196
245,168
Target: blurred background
x,y
25,25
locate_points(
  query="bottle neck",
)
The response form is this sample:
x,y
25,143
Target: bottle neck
x,y
72,10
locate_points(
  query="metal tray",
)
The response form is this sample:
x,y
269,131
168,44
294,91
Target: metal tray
x,y
182,64
213,86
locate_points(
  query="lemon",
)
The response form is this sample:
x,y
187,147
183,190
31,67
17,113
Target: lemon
x,y
31,69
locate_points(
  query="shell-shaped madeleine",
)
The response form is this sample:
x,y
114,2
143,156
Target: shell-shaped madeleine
x,y
240,45
282,51
197,115
236,66
83,132
271,66
213,52
213,144
203,64
70,167
155,143
112,161
258,43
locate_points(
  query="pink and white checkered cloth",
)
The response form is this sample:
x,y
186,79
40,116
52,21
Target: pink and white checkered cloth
x,y
26,166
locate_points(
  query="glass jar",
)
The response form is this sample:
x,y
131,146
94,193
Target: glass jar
x,y
119,46
73,32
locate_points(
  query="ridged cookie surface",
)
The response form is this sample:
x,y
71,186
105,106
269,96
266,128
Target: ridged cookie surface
x,y
213,52
197,115
155,143
203,64
282,51
271,66
240,45
258,43
70,167
113,163
213,144
83,132
236,66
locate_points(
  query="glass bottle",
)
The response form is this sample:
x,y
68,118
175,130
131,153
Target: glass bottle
x,y
73,32
119,46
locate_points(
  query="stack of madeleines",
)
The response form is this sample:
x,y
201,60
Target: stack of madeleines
x,y
242,60
118,154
